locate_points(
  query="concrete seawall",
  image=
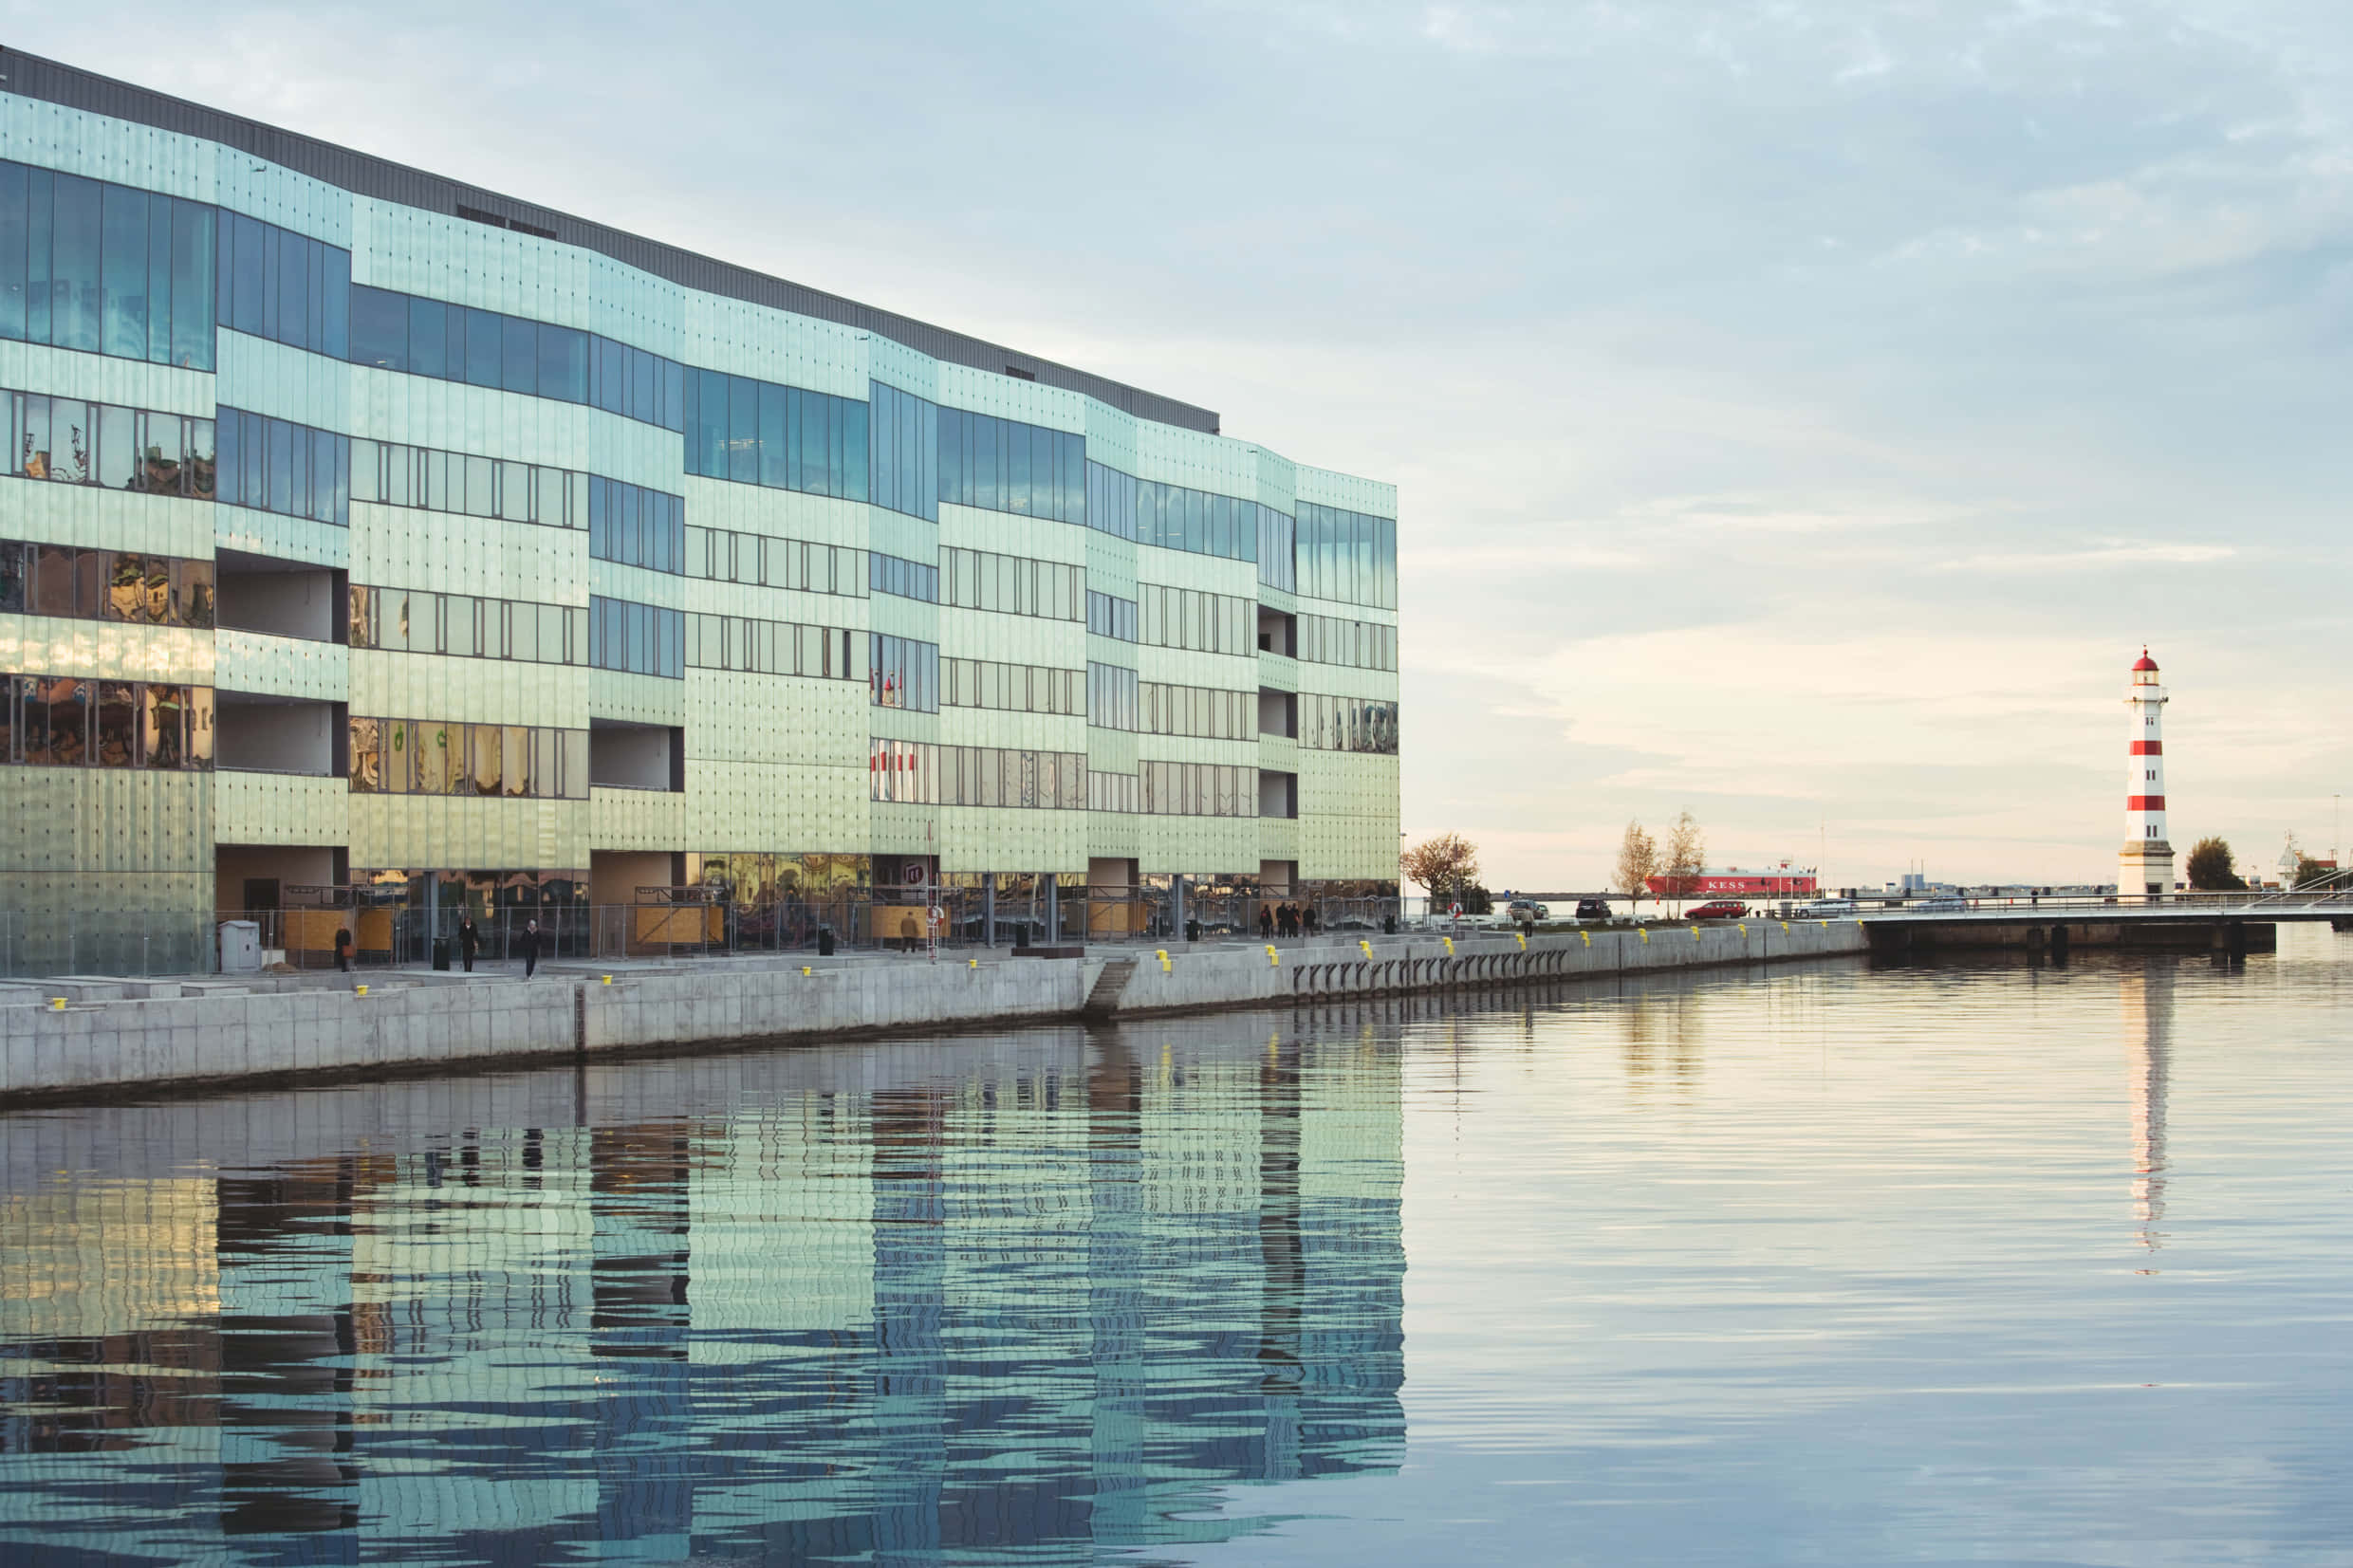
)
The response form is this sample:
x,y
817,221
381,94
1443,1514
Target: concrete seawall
x,y
113,1035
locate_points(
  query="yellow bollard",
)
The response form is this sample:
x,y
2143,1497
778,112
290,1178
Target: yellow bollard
x,y
1646,936
57,1003
1523,936
604,980
1449,944
1273,959
1588,937
1694,933
973,963
804,971
1162,954
1744,927
358,990
1785,926
1365,946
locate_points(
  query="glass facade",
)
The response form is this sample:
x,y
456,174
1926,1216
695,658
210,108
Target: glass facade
x,y
106,269
773,648
71,584
282,285
410,621
1188,618
642,640
1013,688
365,470
1202,711
69,721
69,441
1111,696
1012,584
890,574
786,438
391,475
1347,556
1110,616
999,465
637,526
484,348
1362,645
435,757
278,466
1199,789
722,555
1347,724
903,672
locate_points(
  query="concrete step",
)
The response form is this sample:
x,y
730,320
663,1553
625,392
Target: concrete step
x,y
1104,999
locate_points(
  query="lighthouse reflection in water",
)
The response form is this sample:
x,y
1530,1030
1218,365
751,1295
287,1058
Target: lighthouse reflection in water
x,y
899,1304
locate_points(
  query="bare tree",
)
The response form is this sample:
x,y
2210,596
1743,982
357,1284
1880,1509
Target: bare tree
x,y
1637,862
1687,857
1444,865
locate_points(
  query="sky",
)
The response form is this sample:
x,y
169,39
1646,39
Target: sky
x,y
1802,413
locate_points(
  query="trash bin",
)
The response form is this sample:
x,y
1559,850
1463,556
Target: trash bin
x,y
824,941
440,952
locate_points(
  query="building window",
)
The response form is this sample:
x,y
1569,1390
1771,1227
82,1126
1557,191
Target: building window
x,y
904,673
104,269
644,639
1111,617
65,720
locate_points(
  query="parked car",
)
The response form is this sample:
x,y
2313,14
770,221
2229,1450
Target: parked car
x,y
1592,909
1826,909
1521,909
1943,905
1717,909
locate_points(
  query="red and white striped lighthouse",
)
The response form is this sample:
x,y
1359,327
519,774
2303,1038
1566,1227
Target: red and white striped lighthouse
x,y
2146,866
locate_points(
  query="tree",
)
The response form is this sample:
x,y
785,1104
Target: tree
x,y
1445,866
2209,868
1637,862
1686,857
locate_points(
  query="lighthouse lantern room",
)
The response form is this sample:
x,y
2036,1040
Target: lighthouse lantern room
x,y
2145,866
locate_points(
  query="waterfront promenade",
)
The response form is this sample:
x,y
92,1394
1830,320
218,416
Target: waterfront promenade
x,y
90,1038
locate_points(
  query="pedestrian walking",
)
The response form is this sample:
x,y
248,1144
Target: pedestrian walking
x,y
468,942
342,949
527,945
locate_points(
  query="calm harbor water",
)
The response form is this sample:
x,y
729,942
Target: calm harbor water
x,y
1831,1264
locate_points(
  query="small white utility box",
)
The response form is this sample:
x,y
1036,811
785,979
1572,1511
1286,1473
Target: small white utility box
x,y
241,946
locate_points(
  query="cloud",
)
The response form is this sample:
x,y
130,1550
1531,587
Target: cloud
x,y
2103,556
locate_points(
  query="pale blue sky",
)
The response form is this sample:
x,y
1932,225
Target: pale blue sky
x,y
1801,412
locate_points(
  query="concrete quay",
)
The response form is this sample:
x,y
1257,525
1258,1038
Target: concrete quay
x,y
112,1035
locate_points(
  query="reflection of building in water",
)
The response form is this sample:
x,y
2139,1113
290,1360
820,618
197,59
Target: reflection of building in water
x,y
2148,1002
1036,1307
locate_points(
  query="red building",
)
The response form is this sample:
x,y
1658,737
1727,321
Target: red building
x,y
1783,881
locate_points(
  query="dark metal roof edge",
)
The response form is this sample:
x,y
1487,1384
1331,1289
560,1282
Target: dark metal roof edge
x,y
365,174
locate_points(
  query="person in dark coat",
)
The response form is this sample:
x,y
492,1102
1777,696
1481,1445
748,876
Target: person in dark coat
x,y
526,943
342,949
468,941
1265,921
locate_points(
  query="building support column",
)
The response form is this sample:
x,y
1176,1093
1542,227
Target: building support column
x,y
988,909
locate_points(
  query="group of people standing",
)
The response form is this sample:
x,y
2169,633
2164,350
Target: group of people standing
x,y
1286,920
525,945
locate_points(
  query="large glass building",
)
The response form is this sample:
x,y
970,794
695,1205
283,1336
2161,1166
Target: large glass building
x,y
379,542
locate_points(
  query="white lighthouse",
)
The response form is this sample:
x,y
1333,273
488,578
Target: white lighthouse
x,y
2145,868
